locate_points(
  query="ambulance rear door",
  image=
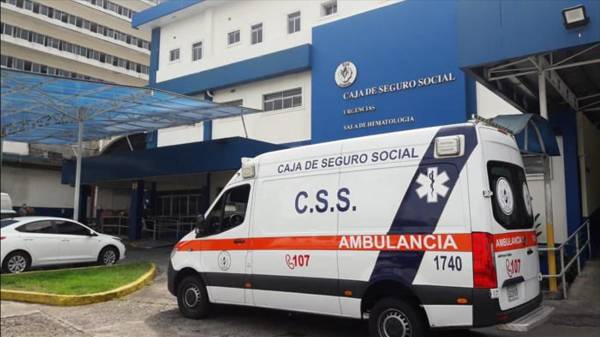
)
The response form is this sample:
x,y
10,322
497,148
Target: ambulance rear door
x,y
514,239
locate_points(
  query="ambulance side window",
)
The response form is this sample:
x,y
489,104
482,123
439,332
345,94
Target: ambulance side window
x,y
511,201
229,211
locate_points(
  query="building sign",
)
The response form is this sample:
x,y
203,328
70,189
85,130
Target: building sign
x,y
380,89
409,78
399,86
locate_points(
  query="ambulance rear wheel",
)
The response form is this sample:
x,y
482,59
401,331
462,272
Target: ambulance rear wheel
x,y
392,317
192,298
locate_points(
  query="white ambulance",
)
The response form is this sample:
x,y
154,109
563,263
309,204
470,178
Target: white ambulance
x,y
428,228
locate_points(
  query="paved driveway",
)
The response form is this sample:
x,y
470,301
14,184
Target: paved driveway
x,y
153,312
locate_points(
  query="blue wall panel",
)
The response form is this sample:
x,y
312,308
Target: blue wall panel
x,y
154,56
190,158
497,29
163,9
287,61
407,41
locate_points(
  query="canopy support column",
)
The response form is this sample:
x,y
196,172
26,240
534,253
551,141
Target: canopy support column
x,y
78,154
547,187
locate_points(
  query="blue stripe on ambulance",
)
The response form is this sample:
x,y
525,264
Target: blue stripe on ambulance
x,y
416,215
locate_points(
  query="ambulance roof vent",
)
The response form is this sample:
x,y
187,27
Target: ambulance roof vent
x,y
248,168
449,146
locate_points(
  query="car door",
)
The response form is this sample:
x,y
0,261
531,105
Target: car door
x,y
224,243
41,241
76,243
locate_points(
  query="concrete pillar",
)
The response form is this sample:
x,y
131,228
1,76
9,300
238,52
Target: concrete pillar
x,y
136,208
84,194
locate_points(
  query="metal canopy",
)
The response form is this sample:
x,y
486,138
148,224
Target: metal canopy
x,y
573,75
54,110
45,109
533,133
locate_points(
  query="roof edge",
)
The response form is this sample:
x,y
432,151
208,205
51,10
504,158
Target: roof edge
x,y
163,9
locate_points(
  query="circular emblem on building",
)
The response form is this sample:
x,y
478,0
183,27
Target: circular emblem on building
x,y
504,196
345,74
224,260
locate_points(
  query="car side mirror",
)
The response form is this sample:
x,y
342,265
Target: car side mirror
x,y
92,233
200,222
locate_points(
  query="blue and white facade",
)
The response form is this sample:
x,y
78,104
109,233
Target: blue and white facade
x,y
327,70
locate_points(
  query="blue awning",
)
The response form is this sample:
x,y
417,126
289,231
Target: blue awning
x,y
191,158
46,109
533,133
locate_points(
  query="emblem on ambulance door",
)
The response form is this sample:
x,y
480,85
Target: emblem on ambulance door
x,y
432,185
224,260
345,74
504,196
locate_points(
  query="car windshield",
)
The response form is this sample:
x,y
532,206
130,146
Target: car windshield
x,y
7,222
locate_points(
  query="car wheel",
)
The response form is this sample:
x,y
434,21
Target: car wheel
x,y
108,256
16,262
192,298
392,317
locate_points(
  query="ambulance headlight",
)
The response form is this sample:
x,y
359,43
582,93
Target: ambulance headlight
x,y
449,146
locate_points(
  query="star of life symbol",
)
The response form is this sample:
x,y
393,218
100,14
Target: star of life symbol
x,y
432,185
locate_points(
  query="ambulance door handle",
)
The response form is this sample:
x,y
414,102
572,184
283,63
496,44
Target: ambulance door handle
x,y
529,251
239,241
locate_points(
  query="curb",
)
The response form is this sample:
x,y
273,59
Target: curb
x,y
73,300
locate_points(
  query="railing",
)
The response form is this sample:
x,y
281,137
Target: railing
x,y
579,248
113,221
168,224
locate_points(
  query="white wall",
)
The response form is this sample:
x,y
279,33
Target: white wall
x,y
180,135
36,187
278,126
490,105
212,25
15,148
559,198
589,164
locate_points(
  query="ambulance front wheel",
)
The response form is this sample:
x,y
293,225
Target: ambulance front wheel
x,y
192,298
392,317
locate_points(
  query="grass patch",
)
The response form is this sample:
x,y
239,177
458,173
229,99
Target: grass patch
x,y
79,281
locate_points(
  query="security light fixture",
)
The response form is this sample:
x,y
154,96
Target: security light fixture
x,y
575,17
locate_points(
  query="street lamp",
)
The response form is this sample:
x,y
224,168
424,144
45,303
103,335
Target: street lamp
x,y
575,17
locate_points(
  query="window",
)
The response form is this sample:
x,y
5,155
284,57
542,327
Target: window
x,y
282,100
174,55
534,165
237,102
293,22
197,51
257,33
70,228
229,211
233,37
511,201
40,227
329,8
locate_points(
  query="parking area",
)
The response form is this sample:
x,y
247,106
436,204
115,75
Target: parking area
x,y
153,312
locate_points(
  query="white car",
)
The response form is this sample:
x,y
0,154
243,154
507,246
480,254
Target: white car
x,y
35,241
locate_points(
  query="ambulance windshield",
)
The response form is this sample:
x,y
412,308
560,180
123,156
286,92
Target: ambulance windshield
x,y
511,201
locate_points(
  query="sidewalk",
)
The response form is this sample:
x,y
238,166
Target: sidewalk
x,y
582,308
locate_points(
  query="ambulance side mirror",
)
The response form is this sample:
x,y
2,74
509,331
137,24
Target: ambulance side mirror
x,y
200,225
